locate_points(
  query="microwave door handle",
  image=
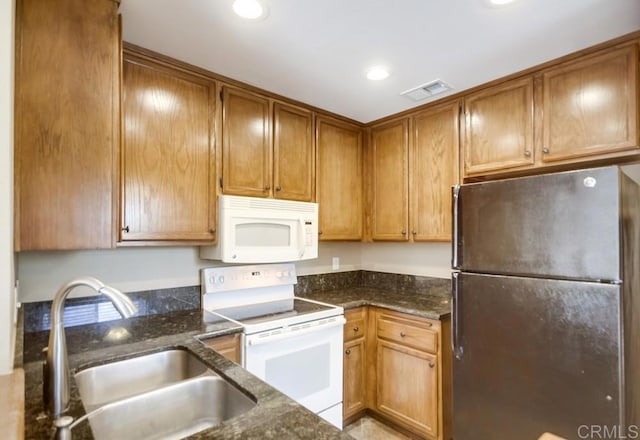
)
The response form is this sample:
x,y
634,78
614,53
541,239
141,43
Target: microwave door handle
x,y
301,237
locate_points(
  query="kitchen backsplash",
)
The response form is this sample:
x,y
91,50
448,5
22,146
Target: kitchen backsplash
x,y
78,311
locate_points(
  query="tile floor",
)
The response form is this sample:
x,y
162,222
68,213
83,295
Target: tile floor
x,y
368,428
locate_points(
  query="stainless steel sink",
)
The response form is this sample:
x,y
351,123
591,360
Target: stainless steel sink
x,y
171,412
166,395
114,381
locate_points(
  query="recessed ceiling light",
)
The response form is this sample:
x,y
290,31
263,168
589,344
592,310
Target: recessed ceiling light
x,y
377,73
500,2
249,9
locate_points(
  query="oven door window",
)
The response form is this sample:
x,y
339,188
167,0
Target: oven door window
x,y
307,368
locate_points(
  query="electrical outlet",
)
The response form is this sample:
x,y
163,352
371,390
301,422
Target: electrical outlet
x,y
335,264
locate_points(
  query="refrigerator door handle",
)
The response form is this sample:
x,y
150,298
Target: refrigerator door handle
x,y
455,263
455,340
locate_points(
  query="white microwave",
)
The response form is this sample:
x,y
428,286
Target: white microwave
x,y
255,230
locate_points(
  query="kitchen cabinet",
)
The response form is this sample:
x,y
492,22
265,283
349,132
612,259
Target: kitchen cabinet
x,y
354,364
66,124
498,127
590,106
414,163
339,179
412,373
294,161
168,156
256,164
227,345
390,181
433,162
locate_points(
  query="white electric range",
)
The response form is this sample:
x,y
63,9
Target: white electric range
x,y
293,344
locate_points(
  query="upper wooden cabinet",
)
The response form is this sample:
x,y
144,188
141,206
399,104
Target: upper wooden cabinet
x,y
433,161
246,143
339,179
590,106
168,155
254,164
498,127
294,161
414,164
66,124
390,181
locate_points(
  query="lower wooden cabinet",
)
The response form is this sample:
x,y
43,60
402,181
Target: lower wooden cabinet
x,y
228,346
398,367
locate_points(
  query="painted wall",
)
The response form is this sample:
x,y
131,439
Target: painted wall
x,y
7,298
135,269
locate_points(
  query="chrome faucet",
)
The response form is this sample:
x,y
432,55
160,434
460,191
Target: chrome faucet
x,y
56,367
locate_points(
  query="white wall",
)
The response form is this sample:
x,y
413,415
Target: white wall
x,y
134,269
7,299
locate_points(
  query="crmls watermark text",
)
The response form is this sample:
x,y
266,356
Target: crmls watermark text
x,y
608,432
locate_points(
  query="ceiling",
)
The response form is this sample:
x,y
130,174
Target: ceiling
x,y
317,52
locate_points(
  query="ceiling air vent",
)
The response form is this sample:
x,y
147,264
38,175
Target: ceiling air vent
x,y
427,90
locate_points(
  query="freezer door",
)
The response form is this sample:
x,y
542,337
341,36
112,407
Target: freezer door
x,y
534,356
562,225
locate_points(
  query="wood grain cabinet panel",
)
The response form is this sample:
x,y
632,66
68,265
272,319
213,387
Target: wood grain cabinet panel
x,y
228,346
293,153
339,179
354,363
390,181
168,157
433,161
590,106
498,128
66,124
246,143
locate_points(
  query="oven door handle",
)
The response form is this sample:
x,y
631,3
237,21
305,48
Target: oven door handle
x,y
294,331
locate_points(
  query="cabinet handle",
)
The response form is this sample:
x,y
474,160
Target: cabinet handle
x,y
404,232
267,188
125,229
431,365
414,232
348,352
527,153
212,231
319,232
356,329
278,188
545,150
403,334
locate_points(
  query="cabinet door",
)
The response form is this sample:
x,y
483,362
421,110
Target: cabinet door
x,y
390,181
293,153
499,128
407,388
591,106
339,180
354,377
168,159
434,170
66,124
228,346
246,144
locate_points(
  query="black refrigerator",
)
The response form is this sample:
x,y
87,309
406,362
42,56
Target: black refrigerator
x,y
546,312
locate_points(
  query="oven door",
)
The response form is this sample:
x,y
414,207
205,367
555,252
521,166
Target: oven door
x,y
304,362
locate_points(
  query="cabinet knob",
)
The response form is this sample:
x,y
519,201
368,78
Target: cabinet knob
x,y
527,153
431,365
347,352
404,232
545,150
267,188
403,334
414,232
212,231
356,329
319,232
125,229
278,188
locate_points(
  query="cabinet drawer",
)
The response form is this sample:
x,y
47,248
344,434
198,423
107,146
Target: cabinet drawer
x,y
355,325
408,333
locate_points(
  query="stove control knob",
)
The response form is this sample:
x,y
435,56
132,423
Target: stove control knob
x,y
221,279
212,279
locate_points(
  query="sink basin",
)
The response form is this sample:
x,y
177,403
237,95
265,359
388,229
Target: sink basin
x,y
117,380
171,412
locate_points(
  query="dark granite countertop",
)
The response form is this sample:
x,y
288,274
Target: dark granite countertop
x,y
275,416
434,303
